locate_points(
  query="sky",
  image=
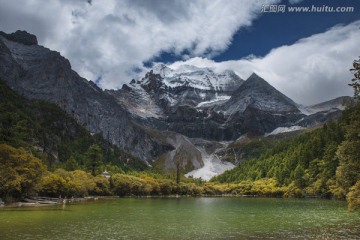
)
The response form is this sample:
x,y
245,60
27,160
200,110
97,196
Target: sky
x,y
307,56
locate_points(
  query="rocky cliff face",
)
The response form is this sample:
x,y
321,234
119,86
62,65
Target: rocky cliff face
x,y
22,37
38,73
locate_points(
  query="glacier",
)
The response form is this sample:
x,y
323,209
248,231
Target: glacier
x,y
213,166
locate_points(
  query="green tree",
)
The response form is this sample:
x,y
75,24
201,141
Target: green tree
x,y
356,80
179,159
298,176
93,158
348,152
71,164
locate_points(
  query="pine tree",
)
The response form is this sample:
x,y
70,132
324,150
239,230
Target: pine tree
x,y
348,152
94,158
356,80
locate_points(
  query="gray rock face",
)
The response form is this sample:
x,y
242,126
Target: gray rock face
x,y
22,37
200,111
323,112
332,105
260,95
38,73
259,107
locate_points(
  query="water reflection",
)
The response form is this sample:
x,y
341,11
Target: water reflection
x,y
184,218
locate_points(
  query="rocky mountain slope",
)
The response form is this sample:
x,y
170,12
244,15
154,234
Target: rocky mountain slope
x,y
189,103
36,72
50,134
169,114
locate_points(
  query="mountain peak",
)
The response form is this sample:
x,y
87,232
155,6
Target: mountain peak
x,y
258,93
22,37
256,81
200,78
255,77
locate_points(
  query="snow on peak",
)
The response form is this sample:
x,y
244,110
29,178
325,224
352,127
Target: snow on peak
x,y
217,99
162,69
339,103
196,77
284,130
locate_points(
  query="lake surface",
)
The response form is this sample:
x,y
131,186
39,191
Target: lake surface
x,y
183,218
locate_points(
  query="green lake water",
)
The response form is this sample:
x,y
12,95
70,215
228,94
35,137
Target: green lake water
x,y
183,218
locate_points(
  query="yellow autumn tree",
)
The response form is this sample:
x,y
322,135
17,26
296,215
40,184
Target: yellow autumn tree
x,y
20,172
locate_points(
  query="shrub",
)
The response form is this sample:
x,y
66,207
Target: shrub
x,y
353,197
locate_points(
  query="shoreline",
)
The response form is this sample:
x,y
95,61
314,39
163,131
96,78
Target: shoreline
x,y
40,202
45,201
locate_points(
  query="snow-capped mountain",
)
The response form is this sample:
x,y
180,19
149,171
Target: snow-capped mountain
x,y
170,88
260,95
198,78
186,113
199,103
189,85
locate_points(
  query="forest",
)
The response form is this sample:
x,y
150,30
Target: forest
x,y
323,162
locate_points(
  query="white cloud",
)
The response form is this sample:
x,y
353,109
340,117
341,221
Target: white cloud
x,y
312,70
110,38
